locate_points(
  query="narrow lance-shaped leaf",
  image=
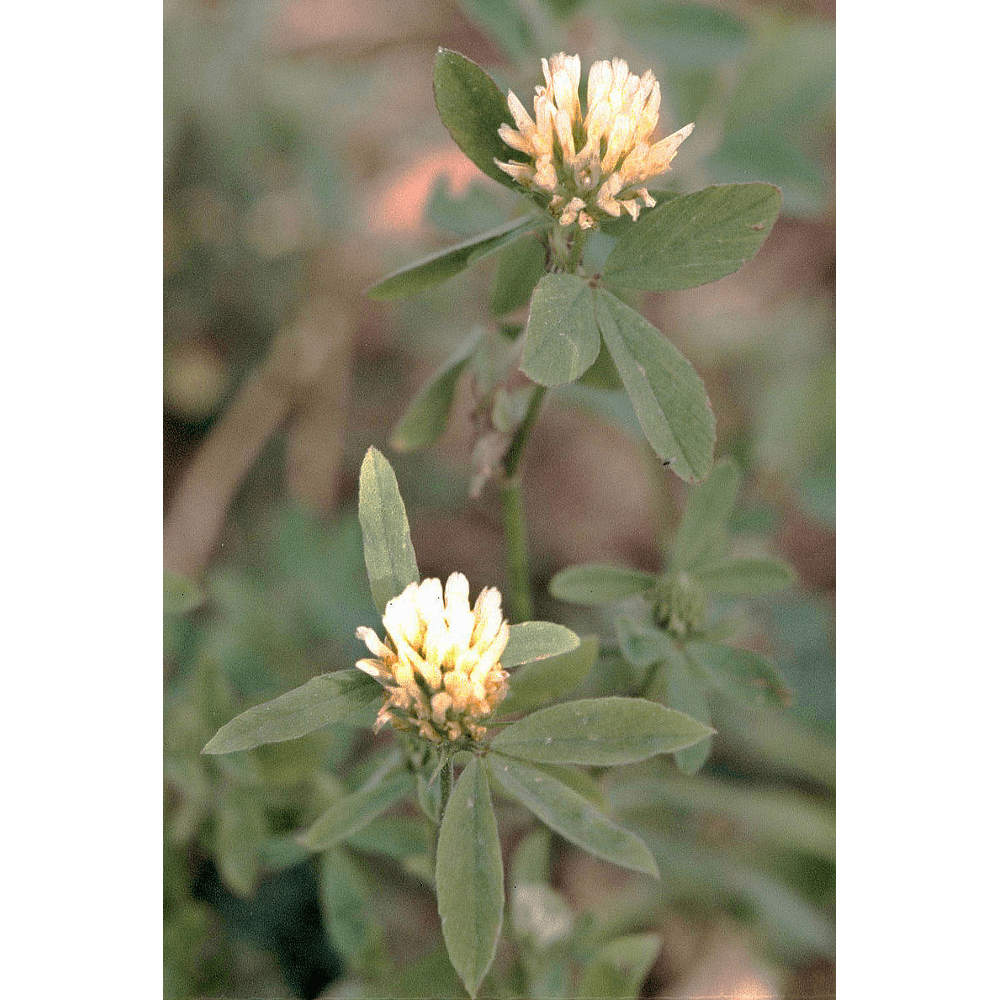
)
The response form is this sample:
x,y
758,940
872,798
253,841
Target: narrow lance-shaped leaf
x,y
744,577
599,731
694,239
389,556
580,781
706,517
568,813
355,811
469,877
561,339
535,640
395,836
345,900
426,418
472,109
668,396
438,267
596,584
347,696
240,831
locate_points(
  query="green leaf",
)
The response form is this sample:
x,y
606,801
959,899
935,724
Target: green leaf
x,y
641,645
743,676
469,876
239,833
346,903
545,680
571,815
536,640
676,686
695,239
667,394
520,267
778,817
389,556
618,969
597,584
473,108
425,420
599,731
346,696
438,267
396,837
180,595
355,811
561,339
580,781
706,516
738,577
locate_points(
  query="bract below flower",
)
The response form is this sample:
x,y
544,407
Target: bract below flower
x,y
440,660
594,164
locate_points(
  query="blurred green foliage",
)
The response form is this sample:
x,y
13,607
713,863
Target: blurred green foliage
x,y
267,161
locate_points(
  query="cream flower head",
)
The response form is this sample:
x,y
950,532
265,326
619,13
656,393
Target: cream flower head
x,y
440,661
595,163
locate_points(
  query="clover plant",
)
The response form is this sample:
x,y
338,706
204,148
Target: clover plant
x,y
475,690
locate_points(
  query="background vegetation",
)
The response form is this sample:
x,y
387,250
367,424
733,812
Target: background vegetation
x,y
304,160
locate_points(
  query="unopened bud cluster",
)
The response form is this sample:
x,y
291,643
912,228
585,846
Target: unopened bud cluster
x,y
440,661
594,164
680,606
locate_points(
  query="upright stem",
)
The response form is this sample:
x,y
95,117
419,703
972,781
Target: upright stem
x,y
517,550
446,779
512,506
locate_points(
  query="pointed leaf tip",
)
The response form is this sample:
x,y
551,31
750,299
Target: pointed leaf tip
x,y
389,556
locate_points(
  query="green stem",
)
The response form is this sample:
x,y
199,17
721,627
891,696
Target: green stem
x,y
512,506
447,778
576,251
518,568
512,459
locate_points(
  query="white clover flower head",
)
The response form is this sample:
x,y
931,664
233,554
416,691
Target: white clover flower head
x,y
594,164
440,660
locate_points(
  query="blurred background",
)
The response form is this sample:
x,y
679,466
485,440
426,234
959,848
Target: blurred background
x,y
303,160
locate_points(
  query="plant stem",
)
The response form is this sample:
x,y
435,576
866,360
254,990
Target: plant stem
x,y
517,550
512,506
576,251
447,778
